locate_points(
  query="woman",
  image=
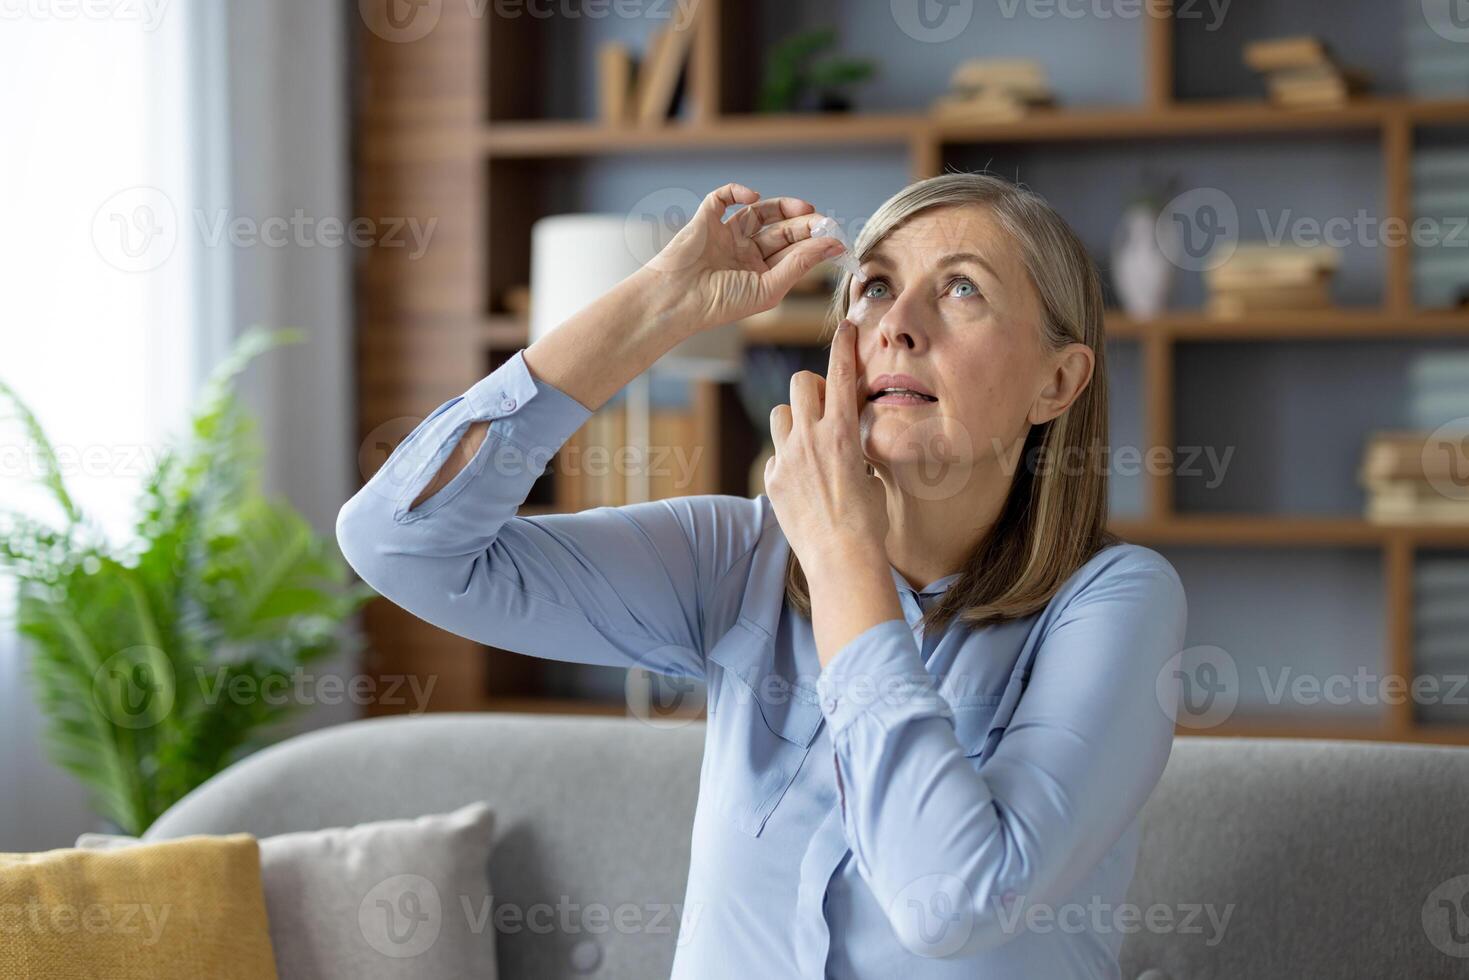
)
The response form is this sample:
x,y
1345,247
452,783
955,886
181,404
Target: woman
x,y
938,694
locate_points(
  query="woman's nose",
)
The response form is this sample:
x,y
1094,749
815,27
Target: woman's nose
x,y
898,332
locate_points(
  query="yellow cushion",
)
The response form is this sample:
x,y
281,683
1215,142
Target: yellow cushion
x,y
185,909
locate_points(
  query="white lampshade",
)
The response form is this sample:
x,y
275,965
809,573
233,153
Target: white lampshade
x,y
574,258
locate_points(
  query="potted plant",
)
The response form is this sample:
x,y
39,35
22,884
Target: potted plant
x,y
138,649
792,79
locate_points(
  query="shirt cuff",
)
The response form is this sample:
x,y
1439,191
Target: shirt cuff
x,y
529,421
880,673
529,413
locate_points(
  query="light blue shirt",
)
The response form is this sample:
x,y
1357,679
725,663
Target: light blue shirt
x,y
963,804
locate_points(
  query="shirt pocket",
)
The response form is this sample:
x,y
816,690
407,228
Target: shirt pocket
x,y
976,724
763,721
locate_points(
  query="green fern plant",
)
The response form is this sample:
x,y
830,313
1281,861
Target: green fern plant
x,y
790,72
149,658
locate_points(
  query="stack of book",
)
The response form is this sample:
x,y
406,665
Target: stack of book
x,y
994,90
1301,71
645,93
1441,196
1267,278
1417,477
1441,636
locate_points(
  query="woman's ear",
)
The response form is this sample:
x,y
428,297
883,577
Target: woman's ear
x,y
1070,373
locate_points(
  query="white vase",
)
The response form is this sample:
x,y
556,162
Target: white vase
x,y
1141,272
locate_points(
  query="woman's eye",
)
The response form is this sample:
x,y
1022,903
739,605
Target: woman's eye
x,y
874,284
960,283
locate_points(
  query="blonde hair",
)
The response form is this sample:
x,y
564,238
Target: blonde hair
x,y
1053,519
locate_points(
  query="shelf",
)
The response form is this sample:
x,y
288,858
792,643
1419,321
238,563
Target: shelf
x,y
1205,118
554,138
803,322
1250,531
567,138
1340,323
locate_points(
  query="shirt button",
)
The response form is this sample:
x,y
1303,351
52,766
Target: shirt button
x,y
830,703
507,404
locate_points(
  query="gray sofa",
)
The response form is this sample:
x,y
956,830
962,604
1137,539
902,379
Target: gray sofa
x,y
1332,859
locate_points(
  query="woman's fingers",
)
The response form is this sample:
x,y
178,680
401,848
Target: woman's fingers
x,y
840,400
780,425
721,199
791,263
806,394
779,235
751,219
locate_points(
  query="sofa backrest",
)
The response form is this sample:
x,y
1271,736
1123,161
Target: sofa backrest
x,y
1260,858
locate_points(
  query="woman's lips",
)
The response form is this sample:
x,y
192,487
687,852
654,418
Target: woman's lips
x,y
900,398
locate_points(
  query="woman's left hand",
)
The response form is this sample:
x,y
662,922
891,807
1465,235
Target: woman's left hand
x,y
831,510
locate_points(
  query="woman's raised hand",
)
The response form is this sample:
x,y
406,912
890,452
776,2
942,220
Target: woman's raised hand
x,y
725,270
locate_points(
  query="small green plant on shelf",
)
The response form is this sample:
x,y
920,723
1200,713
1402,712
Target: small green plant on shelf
x,y
152,659
793,82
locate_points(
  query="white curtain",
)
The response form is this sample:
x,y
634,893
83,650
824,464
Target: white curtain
x,y
129,131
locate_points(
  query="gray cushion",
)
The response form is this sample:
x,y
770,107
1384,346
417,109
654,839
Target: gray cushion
x,y
1329,852
591,814
384,900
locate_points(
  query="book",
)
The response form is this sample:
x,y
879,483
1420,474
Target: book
x,y
1314,86
658,77
1396,459
1233,303
1443,510
1258,255
1276,54
614,83
1021,77
989,106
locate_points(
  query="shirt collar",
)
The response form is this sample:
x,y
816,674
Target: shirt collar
x,y
936,587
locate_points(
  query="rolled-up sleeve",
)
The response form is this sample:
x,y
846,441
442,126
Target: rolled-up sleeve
x,y
1087,743
617,586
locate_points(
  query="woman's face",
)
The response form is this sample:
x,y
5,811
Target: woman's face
x,y
949,310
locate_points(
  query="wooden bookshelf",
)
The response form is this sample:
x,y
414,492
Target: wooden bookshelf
x,y
448,126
